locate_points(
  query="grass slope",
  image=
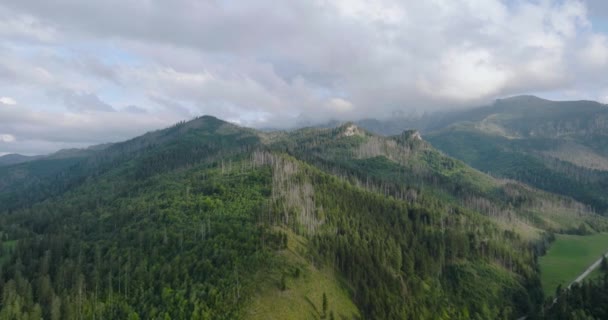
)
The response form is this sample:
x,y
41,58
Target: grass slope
x,y
568,257
303,296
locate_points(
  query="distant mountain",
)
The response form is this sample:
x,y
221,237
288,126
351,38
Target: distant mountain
x,y
209,220
561,147
15,158
558,146
78,152
532,117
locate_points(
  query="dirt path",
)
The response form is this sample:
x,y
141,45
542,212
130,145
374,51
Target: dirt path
x,y
580,278
584,275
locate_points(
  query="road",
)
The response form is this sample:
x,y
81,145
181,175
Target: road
x,y
580,278
588,271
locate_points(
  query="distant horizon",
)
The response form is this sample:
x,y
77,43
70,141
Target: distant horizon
x,y
295,126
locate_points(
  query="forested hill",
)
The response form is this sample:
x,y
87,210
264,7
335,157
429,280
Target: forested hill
x,y
558,146
14,158
208,220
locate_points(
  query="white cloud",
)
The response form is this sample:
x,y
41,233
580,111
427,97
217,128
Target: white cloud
x,y
339,105
8,100
24,26
595,53
603,96
269,62
466,74
389,12
8,138
566,17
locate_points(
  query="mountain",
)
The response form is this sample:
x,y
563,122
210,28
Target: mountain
x,y
556,146
14,158
77,153
33,177
209,220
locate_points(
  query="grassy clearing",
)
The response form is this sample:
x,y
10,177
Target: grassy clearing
x,y
568,257
303,296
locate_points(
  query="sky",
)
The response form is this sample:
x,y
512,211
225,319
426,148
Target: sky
x,y
75,73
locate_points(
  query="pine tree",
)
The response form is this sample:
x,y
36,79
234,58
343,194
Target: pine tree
x,y
283,283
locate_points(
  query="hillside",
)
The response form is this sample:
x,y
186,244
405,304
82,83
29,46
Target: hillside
x,y
408,167
556,146
14,158
208,220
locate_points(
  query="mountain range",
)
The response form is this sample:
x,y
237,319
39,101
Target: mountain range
x,y
209,220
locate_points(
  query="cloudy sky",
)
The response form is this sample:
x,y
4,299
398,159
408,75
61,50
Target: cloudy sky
x,y
75,73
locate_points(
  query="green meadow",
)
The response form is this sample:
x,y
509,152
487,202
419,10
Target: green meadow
x,y
568,257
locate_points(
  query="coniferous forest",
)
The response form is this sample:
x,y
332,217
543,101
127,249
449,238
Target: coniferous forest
x,y
191,221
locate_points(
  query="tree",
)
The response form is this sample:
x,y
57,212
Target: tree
x,y
56,308
558,290
325,305
283,283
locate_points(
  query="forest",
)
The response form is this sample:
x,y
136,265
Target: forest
x,y
187,222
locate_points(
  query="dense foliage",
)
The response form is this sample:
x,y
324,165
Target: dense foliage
x,y
414,262
514,159
184,223
181,246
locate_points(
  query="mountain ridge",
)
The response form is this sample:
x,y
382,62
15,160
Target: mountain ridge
x,y
390,227
371,217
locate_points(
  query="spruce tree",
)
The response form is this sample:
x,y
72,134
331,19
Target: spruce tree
x,y
325,305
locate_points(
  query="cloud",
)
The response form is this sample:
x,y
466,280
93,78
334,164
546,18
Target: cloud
x,y
25,27
42,132
8,138
595,53
270,63
339,105
7,100
82,102
454,78
172,106
134,109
